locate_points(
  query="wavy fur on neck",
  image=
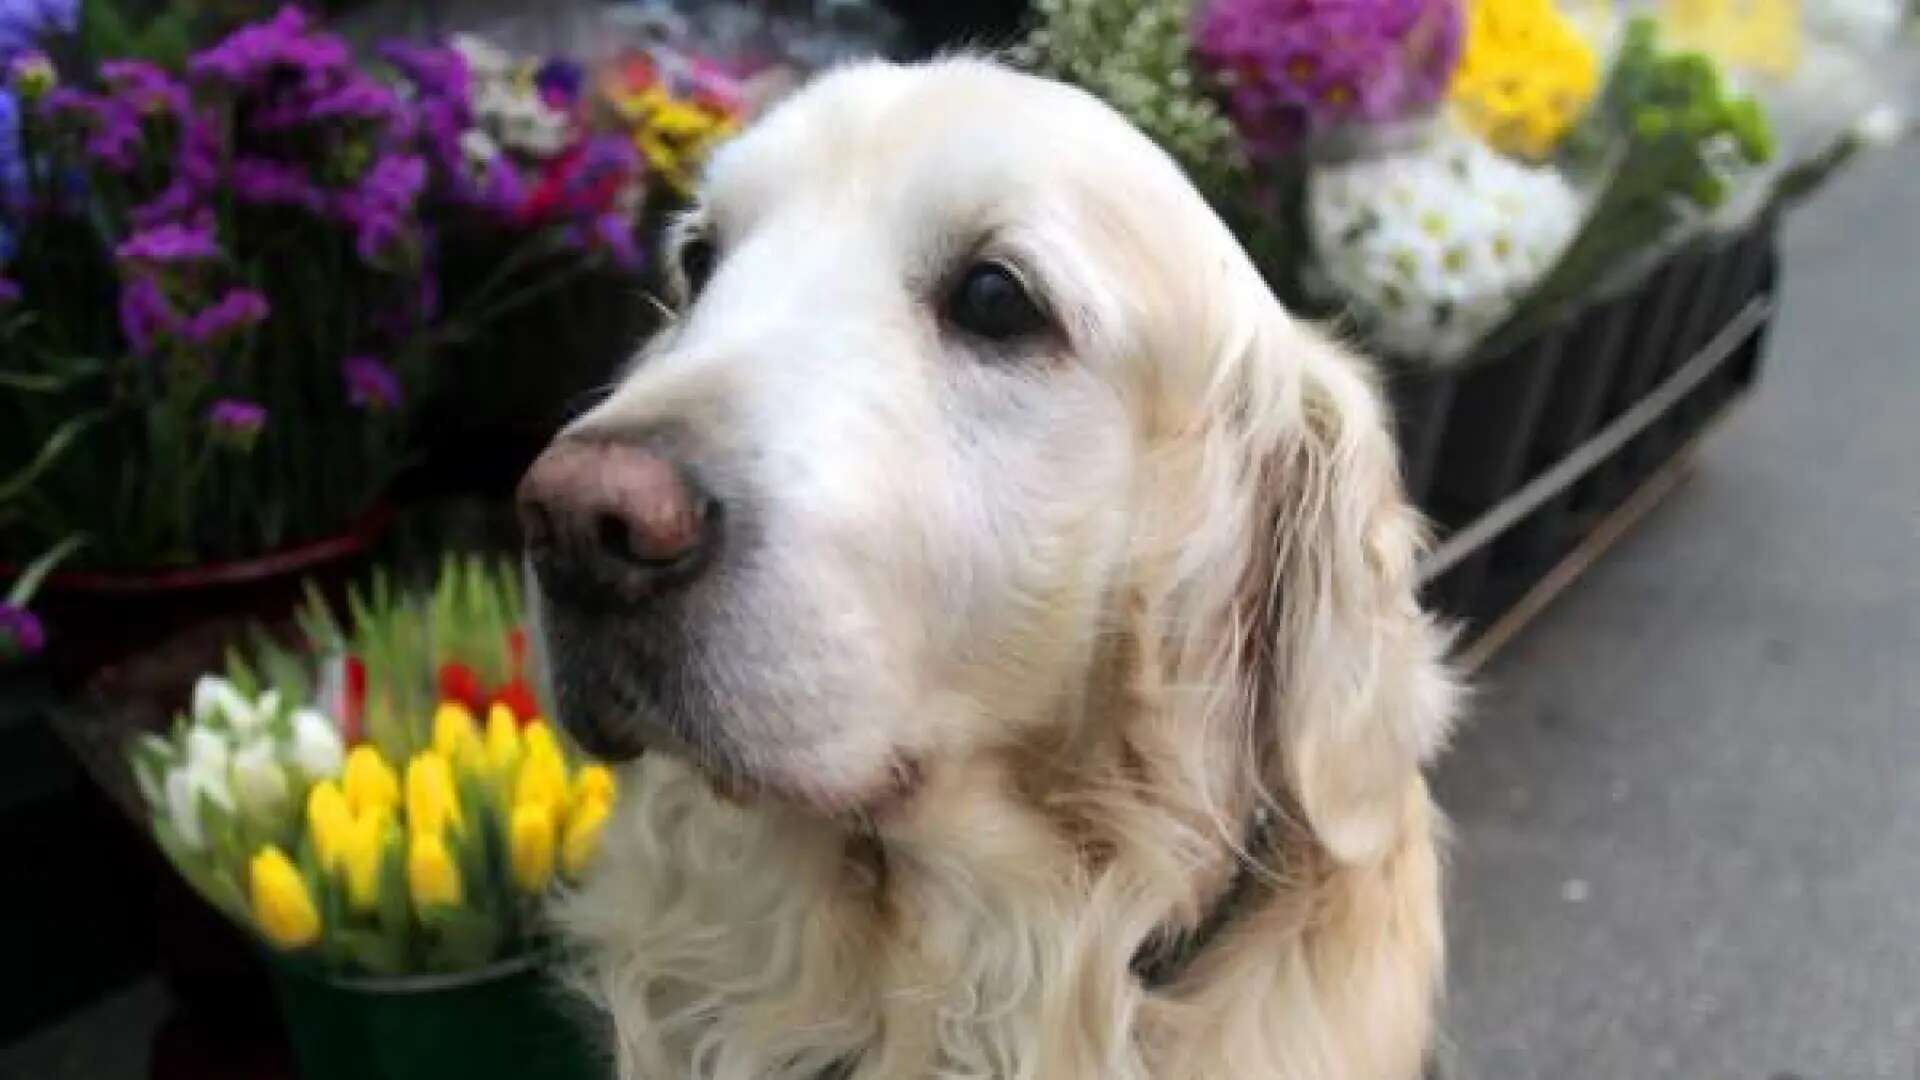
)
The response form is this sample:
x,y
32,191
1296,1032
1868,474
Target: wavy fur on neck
x,y
1264,646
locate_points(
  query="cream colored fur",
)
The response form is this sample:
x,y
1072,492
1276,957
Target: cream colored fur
x,y
1227,622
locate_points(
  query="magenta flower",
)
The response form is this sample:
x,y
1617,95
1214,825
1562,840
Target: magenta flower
x,y
277,55
265,182
1291,69
146,315
9,291
21,633
371,384
380,207
236,310
237,419
196,175
145,87
171,243
112,126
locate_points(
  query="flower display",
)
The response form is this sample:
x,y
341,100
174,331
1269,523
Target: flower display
x,y
677,112
412,843
1525,77
1294,69
1136,55
1433,248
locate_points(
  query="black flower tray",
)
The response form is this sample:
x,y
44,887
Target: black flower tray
x,y
1532,463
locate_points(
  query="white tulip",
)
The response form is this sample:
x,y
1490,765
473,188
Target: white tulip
x,y
259,783
317,749
207,750
216,699
183,808
184,788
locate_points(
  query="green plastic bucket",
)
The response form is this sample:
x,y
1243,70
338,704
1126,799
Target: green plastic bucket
x,y
507,1020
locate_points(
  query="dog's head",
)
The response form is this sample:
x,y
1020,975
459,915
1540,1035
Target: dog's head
x,y
964,379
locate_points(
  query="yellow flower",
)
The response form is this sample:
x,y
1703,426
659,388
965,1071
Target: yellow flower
x,y
538,738
433,803
582,838
455,733
530,842
1525,75
370,783
282,906
542,780
362,851
593,783
328,821
432,877
503,740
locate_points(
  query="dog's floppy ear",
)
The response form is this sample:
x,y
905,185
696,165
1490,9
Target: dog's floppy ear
x,y
1341,686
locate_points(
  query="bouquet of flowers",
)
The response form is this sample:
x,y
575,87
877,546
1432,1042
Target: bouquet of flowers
x,y
266,227
352,805
1445,178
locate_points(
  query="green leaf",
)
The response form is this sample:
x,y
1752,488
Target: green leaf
x,y
50,452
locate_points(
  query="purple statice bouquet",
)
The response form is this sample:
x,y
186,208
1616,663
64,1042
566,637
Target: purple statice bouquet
x,y
1294,70
225,295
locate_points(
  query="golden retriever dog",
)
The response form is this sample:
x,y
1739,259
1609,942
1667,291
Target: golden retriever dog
x,y
1008,611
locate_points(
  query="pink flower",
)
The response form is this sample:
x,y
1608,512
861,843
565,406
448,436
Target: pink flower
x,y
371,384
237,419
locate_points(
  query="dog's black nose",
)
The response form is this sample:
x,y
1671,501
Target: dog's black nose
x,y
615,514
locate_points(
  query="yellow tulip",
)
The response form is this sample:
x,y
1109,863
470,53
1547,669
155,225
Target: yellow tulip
x,y
363,850
370,783
582,838
432,877
542,781
530,843
282,906
328,821
503,740
455,732
432,801
593,783
538,739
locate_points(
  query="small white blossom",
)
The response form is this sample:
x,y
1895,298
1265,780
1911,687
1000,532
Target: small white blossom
x,y
1433,247
260,785
317,749
217,700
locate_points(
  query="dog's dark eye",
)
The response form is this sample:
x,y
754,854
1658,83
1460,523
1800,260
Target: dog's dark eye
x,y
991,302
697,258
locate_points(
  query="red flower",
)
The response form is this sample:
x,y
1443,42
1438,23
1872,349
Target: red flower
x,y
457,682
355,706
518,697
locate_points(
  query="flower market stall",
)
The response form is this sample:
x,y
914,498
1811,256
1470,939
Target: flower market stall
x,y
1551,223
290,292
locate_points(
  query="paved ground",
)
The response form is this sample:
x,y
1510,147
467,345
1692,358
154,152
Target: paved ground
x,y
1688,810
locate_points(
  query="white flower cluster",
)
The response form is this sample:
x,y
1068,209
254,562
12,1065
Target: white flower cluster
x,y
1136,56
507,105
236,758
1432,247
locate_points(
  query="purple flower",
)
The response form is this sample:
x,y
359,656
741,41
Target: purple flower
x,y
24,23
353,97
1296,68
380,207
612,232
442,99
196,175
280,50
9,291
21,634
265,182
237,309
112,125
171,243
559,81
371,384
145,87
236,419
146,315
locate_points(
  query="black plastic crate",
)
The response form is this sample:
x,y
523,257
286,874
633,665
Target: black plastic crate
x,y
1519,458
